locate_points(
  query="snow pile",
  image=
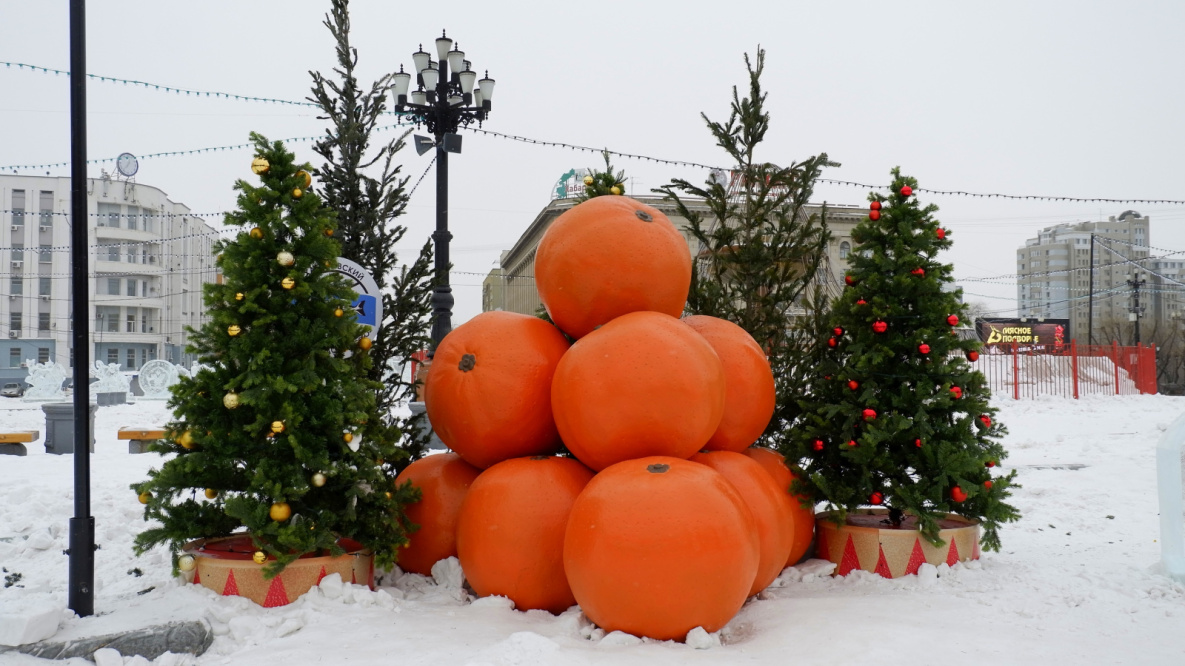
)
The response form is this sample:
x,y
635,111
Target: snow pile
x,y
1073,582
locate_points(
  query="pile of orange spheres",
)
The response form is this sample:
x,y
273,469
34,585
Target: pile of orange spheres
x,y
666,518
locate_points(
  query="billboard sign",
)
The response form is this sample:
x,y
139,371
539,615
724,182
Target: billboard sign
x,y
368,304
993,331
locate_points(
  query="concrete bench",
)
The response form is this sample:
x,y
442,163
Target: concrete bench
x,y
140,438
13,443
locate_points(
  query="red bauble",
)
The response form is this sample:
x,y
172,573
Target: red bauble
x,y
869,414
986,420
918,272
956,392
832,342
879,326
973,356
990,463
853,384
837,331
924,348
987,484
852,443
861,302
957,494
953,320
906,191
817,445
849,280
875,205
874,215
941,233
917,443
877,498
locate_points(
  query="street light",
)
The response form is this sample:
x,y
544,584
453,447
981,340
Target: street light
x,y
448,96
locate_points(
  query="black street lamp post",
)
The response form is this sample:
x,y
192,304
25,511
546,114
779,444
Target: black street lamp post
x,y
448,96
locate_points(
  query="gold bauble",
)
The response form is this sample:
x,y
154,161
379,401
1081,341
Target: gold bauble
x,y
615,190
277,427
256,233
145,496
349,437
285,258
211,493
239,296
388,494
186,439
260,557
588,180
233,330
186,563
365,343
260,165
338,312
287,283
297,193
308,180
280,512
318,480
230,400
329,232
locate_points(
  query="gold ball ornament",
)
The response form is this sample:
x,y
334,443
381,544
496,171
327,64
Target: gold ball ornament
x,y
388,494
287,283
211,493
277,427
329,232
256,233
186,563
349,437
145,496
280,512
260,557
338,312
233,330
365,343
230,400
318,480
186,440
260,165
239,296
615,190
285,258
588,180
308,180
296,194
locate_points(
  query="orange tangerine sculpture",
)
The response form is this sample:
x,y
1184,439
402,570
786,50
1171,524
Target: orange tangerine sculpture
x,y
803,516
443,480
749,394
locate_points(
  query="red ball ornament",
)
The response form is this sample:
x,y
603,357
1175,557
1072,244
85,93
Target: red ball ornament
x,y
874,215
877,498
832,342
957,494
953,320
817,445
837,331
861,302
941,233
918,442
986,420
924,348
875,205
852,443
987,484
849,280
906,190
869,414
879,326
853,384
956,392
918,272
990,463
973,356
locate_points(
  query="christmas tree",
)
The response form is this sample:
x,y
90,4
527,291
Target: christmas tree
x,y
896,415
278,434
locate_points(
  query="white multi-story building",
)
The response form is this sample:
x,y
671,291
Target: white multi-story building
x,y
1054,271
148,261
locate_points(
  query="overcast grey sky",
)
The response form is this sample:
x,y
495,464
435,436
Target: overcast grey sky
x,y
1061,98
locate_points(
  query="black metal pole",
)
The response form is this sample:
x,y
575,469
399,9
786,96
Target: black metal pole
x,y
1090,298
1135,282
82,525
442,296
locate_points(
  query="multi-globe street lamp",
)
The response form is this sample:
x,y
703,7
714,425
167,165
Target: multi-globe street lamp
x,y
448,96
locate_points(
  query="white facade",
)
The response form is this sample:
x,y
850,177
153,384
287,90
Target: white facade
x,y
148,261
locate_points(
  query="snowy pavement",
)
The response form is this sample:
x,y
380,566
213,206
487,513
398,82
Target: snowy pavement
x,y
1072,583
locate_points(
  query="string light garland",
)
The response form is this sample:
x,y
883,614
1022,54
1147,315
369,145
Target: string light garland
x,y
426,170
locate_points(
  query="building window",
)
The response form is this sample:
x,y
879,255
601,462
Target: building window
x,y
14,321
131,319
109,215
46,255
42,321
143,357
113,253
143,320
18,286
14,357
113,286
18,209
131,287
113,355
131,359
133,217
44,286
46,208
108,319
18,252
845,248
43,354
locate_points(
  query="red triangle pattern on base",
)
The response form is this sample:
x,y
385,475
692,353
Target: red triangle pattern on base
x,y
232,588
197,576
320,577
975,551
916,559
882,566
353,579
952,555
821,550
276,594
850,561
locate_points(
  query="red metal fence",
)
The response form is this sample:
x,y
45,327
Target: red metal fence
x,y
1069,371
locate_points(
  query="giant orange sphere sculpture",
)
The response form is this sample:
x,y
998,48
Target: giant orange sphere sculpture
x,y
749,393
644,384
609,256
803,516
659,546
443,480
510,536
488,394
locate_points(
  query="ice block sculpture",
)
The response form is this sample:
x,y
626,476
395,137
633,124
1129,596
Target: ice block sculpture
x,y
1172,519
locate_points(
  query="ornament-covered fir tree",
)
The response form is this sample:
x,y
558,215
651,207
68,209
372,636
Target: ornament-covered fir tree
x,y
896,416
278,434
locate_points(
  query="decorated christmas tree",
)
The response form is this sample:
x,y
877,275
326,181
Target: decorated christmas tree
x,y
897,416
598,183
278,434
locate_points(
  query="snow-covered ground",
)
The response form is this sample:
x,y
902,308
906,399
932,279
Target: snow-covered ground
x,y
1072,584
